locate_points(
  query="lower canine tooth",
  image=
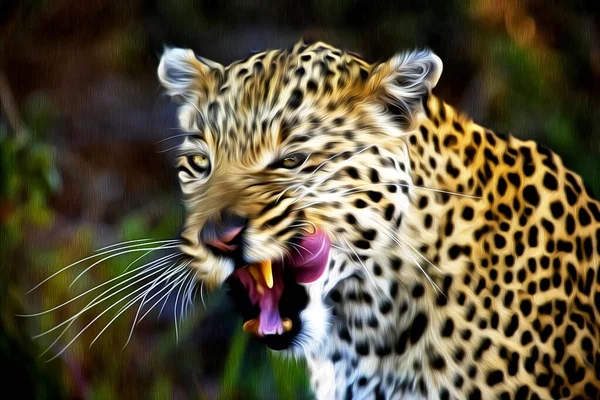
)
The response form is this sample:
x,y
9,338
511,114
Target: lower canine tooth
x,y
287,324
251,326
254,271
260,289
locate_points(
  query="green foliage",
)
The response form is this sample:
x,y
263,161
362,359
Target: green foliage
x,y
28,176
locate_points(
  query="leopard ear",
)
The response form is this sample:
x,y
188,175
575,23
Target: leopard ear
x,y
183,74
401,84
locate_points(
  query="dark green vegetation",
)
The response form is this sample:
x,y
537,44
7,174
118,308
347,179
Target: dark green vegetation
x,y
79,168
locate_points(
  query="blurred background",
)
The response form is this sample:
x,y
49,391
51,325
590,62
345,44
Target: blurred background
x,y
81,167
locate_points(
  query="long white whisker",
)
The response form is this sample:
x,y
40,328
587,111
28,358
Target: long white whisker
x,y
340,167
175,137
146,268
184,286
318,183
303,248
164,247
88,258
166,300
101,298
202,294
404,243
139,258
175,307
192,285
72,320
364,266
86,327
285,251
144,302
185,296
357,189
310,223
169,149
120,244
293,246
168,287
302,226
417,251
435,286
340,248
121,311
338,154
194,293
282,193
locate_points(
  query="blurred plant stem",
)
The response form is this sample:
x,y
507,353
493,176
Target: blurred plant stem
x,y
10,109
233,365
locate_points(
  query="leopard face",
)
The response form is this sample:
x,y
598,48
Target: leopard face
x,y
403,249
280,151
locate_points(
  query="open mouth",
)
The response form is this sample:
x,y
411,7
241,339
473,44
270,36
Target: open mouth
x,y
269,294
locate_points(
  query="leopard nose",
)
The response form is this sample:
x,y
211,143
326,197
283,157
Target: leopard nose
x,y
222,234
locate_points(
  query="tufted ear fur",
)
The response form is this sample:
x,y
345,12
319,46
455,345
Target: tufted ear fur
x,y
401,83
183,74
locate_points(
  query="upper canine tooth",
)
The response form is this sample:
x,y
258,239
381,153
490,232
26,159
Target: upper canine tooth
x,y
267,272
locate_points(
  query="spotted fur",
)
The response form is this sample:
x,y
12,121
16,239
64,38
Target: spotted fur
x,y
464,263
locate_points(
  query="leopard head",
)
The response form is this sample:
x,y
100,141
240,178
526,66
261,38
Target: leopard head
x,y
292,170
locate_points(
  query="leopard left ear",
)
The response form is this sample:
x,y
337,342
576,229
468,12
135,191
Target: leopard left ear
x,y
401,84
184,75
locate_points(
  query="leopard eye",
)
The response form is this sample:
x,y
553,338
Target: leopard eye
x,y
290,162
200,163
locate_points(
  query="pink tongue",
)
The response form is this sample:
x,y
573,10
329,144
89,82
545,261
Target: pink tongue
x,y
307,264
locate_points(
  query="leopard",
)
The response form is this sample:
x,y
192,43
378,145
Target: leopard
x,y
360,222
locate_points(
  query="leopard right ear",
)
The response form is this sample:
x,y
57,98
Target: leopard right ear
x,y
401,84
184,75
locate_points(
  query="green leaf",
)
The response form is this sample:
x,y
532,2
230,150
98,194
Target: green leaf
x,y
291,378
